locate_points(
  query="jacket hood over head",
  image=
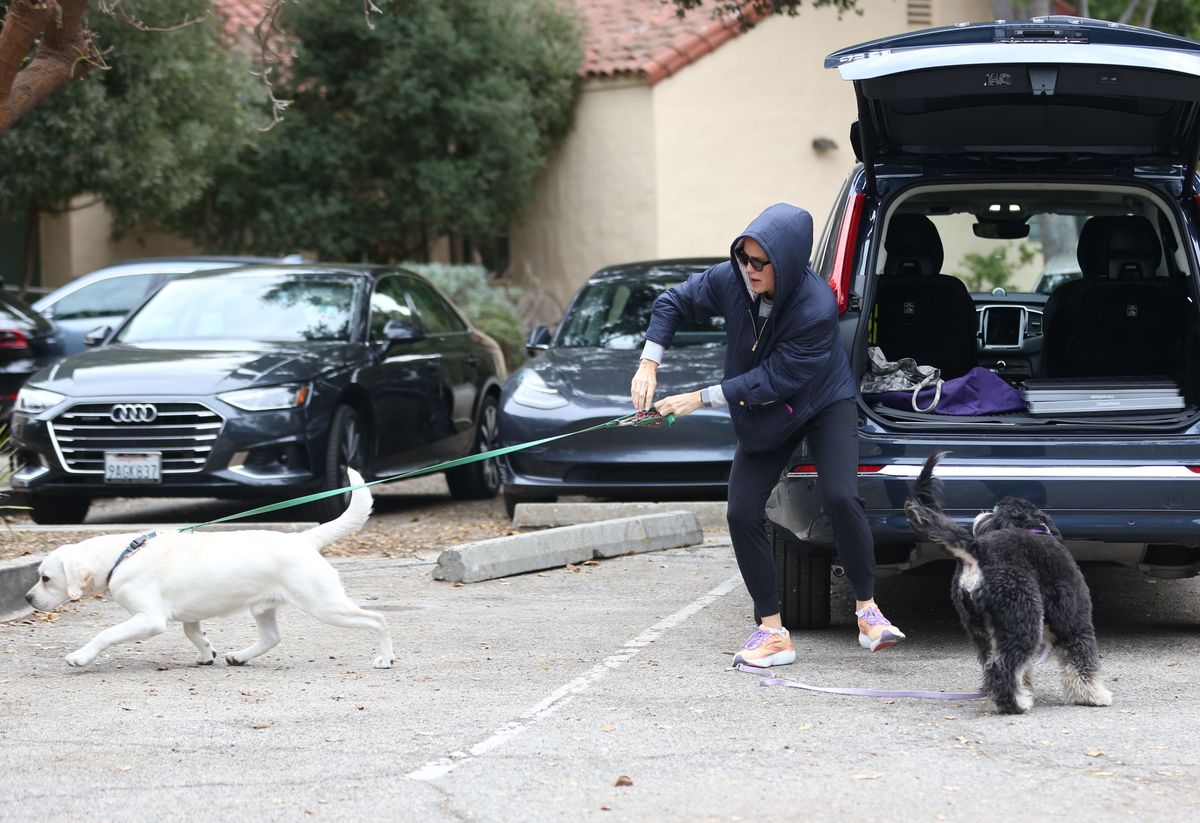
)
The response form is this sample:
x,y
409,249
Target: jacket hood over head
x,y
786,234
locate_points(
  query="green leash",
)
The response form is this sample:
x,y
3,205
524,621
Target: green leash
x,y
635,419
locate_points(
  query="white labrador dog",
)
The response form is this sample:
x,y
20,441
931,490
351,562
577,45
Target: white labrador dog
x,y
187,577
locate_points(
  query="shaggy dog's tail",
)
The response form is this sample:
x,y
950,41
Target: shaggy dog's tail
x,y
351,520
925,513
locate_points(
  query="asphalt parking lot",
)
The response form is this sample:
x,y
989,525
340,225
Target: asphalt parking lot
x,y
534,697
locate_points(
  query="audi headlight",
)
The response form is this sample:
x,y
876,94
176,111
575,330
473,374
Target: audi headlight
x,y
532,391
291,396
36,401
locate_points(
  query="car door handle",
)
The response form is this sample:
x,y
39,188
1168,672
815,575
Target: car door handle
x,y
473,360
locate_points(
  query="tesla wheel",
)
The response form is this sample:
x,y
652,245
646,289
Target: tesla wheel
x,y
58,511
347,447
512,498
481,479
802,575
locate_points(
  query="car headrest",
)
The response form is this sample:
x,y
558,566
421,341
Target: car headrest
x,y
913,246
1118,247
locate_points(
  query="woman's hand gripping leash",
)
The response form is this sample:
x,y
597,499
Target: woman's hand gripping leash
x,y
645,381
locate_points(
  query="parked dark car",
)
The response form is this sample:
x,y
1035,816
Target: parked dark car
x,y
978,132
582,378
103,297
27,343
263,382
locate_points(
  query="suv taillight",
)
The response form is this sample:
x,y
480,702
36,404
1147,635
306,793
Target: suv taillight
x,y
843,261
810,468
13,339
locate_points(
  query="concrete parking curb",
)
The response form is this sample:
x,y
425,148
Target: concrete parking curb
x,y
520,553
711,514
16,578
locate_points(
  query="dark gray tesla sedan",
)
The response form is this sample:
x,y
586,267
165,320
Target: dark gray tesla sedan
x,y
582,378
263,382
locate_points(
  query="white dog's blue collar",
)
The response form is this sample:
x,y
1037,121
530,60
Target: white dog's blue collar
x,y
133,546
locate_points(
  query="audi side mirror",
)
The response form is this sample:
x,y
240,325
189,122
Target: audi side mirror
x,y
402,331
538,342
97,336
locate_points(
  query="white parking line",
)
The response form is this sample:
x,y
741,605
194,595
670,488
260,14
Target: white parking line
x,y
564,693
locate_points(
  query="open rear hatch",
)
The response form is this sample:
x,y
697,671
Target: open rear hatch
x,y
1051,89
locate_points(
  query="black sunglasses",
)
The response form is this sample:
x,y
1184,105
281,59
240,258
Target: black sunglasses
x,y
747,260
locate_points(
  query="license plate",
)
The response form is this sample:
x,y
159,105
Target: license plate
x,y
132,467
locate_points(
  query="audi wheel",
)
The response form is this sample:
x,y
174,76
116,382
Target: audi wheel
x,y
58,510
347,448
481,479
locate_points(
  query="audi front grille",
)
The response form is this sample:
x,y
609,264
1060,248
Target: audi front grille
x,y
182,432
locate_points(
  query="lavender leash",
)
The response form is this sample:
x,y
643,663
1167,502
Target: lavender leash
x,y
766,680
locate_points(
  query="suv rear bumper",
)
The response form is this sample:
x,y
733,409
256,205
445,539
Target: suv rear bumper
x,y
1127,514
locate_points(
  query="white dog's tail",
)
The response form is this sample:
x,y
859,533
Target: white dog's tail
x,y
350,521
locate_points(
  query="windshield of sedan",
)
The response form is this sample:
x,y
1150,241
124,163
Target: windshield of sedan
x,y
268,306
615,315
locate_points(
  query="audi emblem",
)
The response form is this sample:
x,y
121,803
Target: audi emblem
x,y
133,413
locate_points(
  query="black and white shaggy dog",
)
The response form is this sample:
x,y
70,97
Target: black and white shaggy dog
x,y
1015,582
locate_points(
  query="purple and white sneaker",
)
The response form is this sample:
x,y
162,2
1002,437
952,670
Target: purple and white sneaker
x,y
767,647
875,631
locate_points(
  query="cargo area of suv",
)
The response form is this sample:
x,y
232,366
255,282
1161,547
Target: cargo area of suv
x,y
1024,208
1114,347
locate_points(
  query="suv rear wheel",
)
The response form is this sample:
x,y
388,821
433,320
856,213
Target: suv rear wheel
x,y
802,575
58,511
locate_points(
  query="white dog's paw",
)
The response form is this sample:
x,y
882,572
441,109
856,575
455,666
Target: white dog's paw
x,y
80,658
206,658
233,660
382,662
1024,701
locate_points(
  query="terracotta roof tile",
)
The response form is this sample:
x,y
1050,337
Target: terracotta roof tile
x,y
239,17
645,38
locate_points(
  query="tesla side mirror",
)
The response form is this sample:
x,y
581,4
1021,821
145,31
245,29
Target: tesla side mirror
x,y
538,342
402,331
97,336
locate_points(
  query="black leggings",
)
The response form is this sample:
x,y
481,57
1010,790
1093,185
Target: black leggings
x,y
833,442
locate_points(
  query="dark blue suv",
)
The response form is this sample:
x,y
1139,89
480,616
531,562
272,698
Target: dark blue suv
x,y
989,152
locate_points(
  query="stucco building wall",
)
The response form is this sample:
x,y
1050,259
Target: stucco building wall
x,y
594,204
80,240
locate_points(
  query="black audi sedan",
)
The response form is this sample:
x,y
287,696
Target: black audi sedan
x,y
28,342
263,382
582,378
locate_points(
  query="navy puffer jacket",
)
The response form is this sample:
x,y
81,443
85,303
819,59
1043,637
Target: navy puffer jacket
x,y
799,366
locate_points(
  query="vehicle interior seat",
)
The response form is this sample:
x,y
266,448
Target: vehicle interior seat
x,y
1120,319
920,312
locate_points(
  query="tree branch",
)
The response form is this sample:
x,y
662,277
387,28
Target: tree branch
x,y
43,47
117,8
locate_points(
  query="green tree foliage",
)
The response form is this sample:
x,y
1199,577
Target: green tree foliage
x,y
146,133
992,270
735,8
432,122
1173,16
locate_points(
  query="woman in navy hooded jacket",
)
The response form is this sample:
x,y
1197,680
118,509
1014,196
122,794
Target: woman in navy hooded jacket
x,y
786,378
